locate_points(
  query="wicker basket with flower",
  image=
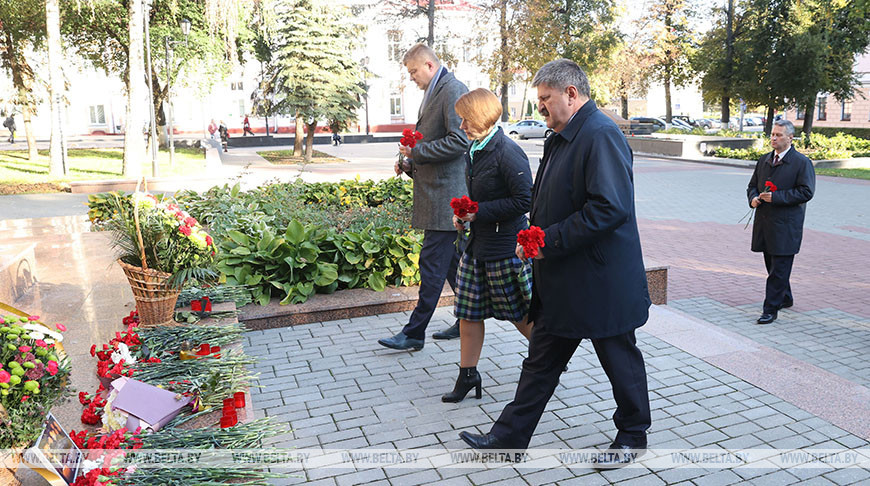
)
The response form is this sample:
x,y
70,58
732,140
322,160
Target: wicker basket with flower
x,y
159,247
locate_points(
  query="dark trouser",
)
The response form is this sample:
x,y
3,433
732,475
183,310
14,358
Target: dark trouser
x,y
778,290
439,259
247,131
548,355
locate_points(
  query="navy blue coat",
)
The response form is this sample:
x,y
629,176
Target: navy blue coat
x,y
779,224
500,180
591,282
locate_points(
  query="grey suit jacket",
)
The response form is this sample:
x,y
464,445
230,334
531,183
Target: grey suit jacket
x,y
437,162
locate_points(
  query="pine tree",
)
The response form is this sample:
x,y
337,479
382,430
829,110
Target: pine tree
x,y
313,74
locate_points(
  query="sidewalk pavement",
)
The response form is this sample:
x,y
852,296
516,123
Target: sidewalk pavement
x,y
341,391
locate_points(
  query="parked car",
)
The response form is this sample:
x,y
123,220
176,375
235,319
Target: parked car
x,y
686,118
681,124
528,129
658,123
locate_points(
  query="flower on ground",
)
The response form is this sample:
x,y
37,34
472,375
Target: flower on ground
x,y
60,327
185,230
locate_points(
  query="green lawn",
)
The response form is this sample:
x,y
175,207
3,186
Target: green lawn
x,y
18,174
285,157
851,173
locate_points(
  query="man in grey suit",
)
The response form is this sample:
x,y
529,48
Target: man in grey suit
x,y
437,166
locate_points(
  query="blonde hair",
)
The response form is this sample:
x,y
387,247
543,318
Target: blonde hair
x,y
420,52
480,109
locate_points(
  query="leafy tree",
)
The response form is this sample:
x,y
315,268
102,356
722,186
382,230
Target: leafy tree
x,y
630,68
22,26
836,31
403,9
672,45
312,74
715,57
99,32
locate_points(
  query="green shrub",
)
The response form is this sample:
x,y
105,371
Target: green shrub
x,y
290,240
863,133
752,153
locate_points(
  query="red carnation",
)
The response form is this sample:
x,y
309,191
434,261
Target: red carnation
x,y
208,240
190,221
185,230
531,240
769,186
93,350
463,206
83,398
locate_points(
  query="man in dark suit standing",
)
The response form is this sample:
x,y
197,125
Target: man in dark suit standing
x,y
437,166
589,278
779,213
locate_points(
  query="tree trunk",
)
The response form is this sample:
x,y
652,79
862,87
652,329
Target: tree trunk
x,y
523,104
309,141
134,142
297,143
624,99
768,124
504,72
57,167
22,79
729,62
808,116
668,113
430,40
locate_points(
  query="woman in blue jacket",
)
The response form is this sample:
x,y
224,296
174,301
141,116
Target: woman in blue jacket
x,y
491,281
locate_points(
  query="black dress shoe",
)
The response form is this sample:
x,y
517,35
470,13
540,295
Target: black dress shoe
x,y
401,341
766,318
617,455
451,332
468,378
482,441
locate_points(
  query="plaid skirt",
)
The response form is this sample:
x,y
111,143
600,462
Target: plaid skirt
x,y
500,288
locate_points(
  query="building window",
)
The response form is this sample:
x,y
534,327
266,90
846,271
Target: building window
x,y
479,83
801,112
466,54
513,112
823,108
98,115
396,104
513,89
236,86
846,114
394,39
241,107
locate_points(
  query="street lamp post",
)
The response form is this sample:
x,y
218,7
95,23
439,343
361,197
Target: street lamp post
x,y
167,44
155,166
365,64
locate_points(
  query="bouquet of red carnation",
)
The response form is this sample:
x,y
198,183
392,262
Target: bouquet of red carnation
x,y
531,240
409,139
768,187
463,206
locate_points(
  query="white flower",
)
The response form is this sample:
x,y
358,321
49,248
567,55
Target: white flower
x,y
39,329
123,353
88,465
113,419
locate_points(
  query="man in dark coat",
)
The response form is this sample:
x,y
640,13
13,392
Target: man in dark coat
x,y
437,165
589,278
783,181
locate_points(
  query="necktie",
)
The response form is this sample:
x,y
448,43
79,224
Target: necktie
x,y
775,160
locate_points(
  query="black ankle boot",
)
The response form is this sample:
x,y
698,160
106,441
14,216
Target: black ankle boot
x,y
468,378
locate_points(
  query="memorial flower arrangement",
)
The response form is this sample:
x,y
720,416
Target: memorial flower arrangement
x,y
33,377
769,186
172,241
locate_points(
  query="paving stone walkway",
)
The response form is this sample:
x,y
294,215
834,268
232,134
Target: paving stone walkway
x,y
339,389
